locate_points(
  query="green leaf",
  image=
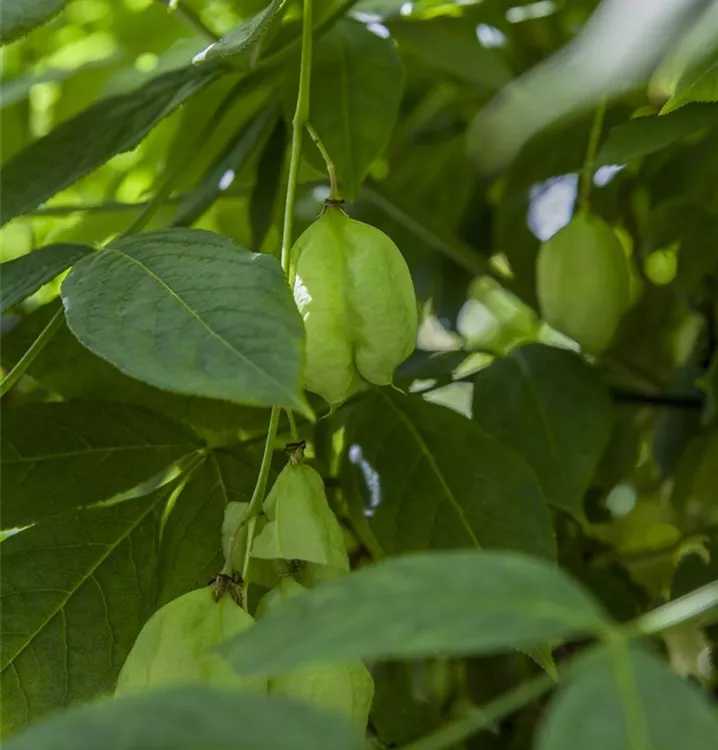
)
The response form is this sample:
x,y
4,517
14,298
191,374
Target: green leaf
x,y
438,604
58,456
76,591
699,85
449,44
191,549
18,17
65,367
191,718
634,701
426,477
646,135
243,39
229,163
554,411
25,275
79,145
191,312
356,87
266,189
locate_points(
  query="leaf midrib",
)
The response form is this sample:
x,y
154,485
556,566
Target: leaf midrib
x,y
435,468
292,397
91,451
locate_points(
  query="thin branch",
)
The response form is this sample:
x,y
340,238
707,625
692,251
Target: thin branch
x,y
657,399
692,606
294,433
486,717
35,348
464,256
300,118
331,169
590,160
190,18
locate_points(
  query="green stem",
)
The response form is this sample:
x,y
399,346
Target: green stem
x,y
463,255
300,118
331,169
337,10
590,160
190,18
35,348
462,728
293,432
685,608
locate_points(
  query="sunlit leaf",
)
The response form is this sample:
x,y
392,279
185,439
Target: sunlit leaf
x,y
190,311
17,17
65,367
25,275
86,141
243,38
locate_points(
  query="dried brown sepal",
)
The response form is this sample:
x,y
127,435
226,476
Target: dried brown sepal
x,y
295,451
223,583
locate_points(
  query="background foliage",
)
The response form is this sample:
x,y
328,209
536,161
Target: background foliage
x,y
145,147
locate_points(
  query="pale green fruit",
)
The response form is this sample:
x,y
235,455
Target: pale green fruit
x,y
583,282
346,688
301,525
175,647
355,294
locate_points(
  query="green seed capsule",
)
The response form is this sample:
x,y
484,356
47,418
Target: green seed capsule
x,y
301,525
175,647
583,282
347,689
355,293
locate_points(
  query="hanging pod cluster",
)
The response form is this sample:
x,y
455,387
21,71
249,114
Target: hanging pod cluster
x,y
299,526
355,294
297,531
583,281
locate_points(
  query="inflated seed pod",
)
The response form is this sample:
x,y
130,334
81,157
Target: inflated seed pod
x,y
355,294
346,688
300,523
583,281
175,646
